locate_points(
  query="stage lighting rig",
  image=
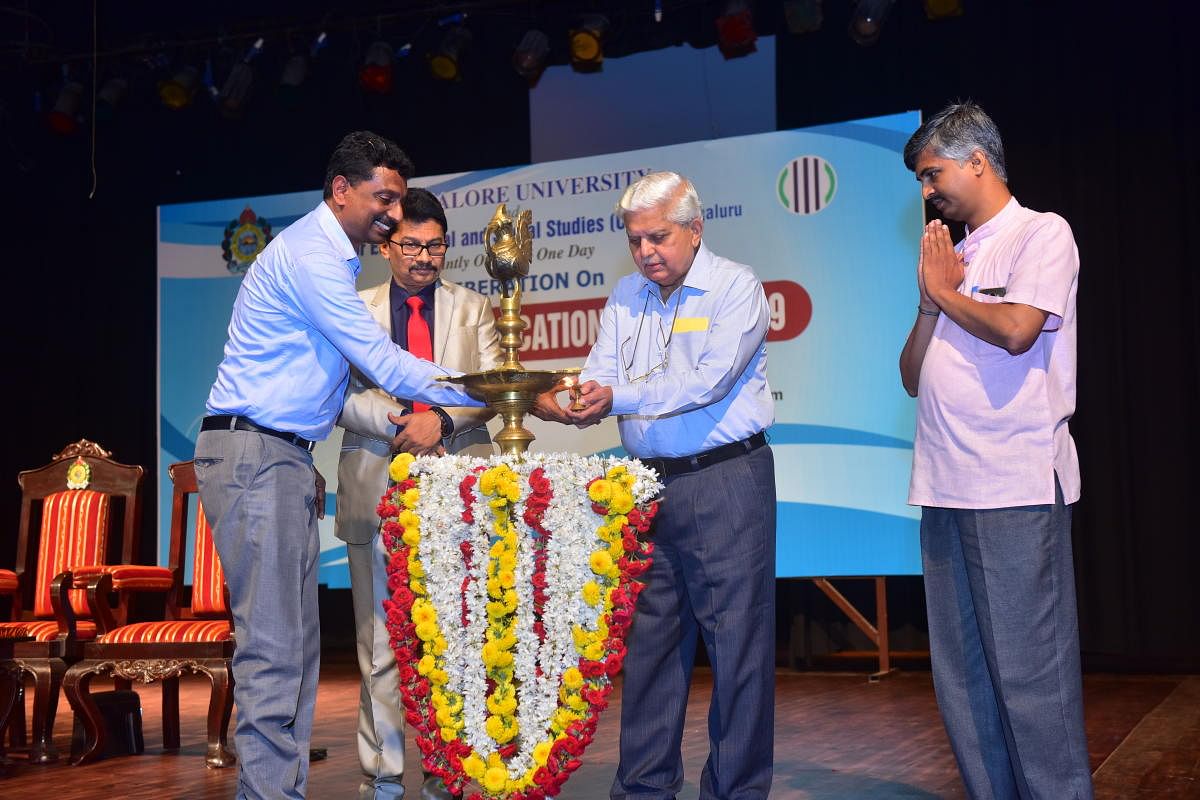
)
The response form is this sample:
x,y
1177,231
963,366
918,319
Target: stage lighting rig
x,y
866,21
446,62
529,59
735,30
586,42
376,73
177,92
63,118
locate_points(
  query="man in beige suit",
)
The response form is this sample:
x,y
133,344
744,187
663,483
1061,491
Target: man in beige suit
x,y
459,325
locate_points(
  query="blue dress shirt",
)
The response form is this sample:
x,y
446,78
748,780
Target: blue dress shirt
x,y
689,374
296,321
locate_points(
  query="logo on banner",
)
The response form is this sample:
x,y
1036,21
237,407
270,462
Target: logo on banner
x,y
245,238
807,185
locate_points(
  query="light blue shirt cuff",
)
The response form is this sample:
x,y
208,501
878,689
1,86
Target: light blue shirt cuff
x,y
626,398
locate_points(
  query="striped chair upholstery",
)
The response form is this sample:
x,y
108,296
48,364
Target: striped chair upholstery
x,y
8,581
196,638
45,630
208,600
74,532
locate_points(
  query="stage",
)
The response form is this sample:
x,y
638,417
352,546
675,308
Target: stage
x,y
837,737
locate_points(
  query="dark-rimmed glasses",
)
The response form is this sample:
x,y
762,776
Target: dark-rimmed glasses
x,y
413,249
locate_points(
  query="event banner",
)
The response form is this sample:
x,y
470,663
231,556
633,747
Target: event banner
x,y
828,217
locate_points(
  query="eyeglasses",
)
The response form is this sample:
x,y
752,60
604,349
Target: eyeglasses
x,y
413,249
664,343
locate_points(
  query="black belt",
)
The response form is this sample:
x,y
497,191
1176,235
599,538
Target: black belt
x,y
230,422
666,467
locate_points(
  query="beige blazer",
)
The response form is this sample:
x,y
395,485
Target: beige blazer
x,y
464,339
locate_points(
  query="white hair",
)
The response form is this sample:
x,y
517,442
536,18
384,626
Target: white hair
x,y
659,188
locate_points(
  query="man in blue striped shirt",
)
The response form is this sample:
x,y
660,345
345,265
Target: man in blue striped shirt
x,y
297,324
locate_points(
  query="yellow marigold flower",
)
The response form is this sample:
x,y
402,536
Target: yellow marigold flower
x,y
488,653
427,631
576,702
423,611
398,469
411,537
487,482
495,779
415,570
501,705
473,765
600,491
563,717
600,562
448,734
496,611
445,719
541,752
498,548
581,636
438,645
426,664
501,675
418,587
438,677
454,703
572,678
502,729
508,579
602,628
510,601
512,491
616,473
494,589
594,651
616,550
591,593
507,561
408,519
494,760
411,497
498,504
622,501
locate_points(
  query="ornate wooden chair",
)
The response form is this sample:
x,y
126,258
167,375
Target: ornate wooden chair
x,y
195,638
81,509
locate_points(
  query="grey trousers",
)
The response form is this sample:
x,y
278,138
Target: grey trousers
x,y
713,579
1004,642
258,493
380,713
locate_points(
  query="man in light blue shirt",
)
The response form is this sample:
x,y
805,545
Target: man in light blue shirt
x,y
681,359
297,323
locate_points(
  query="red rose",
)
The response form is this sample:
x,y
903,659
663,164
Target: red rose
x,y
542,776
414,719
591,669
508,751
407,673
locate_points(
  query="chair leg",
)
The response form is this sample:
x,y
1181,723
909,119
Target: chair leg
x,y
47,676
170,713
77,687
220,707
16,721
10,681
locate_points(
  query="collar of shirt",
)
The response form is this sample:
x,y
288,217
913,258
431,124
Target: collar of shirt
x,y
329,224
973,238
699,275
399,295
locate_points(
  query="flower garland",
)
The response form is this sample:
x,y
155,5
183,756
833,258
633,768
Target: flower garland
x,y
513,585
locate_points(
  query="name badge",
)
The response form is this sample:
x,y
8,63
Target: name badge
x,y
690,325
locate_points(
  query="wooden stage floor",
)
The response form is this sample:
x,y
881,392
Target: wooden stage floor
x,y
837,737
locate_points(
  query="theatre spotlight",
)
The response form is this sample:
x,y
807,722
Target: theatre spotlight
x,y
529,59
236,89
803,16
63,119
177,92
109,96
941,9
376,73
586,42
445,63
735,30
866,21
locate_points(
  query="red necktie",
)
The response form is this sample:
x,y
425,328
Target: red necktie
x,y
419,342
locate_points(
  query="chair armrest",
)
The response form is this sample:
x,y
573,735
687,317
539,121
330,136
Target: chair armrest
x,y
60,601
131,577
8,582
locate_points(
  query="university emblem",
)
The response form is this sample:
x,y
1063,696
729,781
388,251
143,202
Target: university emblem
x,y
806,185
79,474
245,238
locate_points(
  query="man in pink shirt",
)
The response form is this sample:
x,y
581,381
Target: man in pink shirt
x,y
991,361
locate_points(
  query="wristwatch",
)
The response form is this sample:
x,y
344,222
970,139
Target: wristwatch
x,y
447,423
